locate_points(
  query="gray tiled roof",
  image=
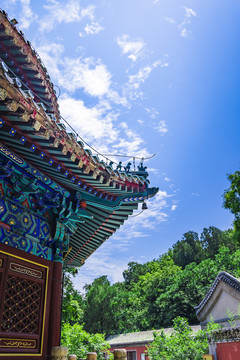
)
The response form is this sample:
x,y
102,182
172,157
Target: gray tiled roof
x,y
227,279
140,337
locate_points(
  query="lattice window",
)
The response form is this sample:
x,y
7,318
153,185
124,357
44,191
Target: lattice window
x,y
21,306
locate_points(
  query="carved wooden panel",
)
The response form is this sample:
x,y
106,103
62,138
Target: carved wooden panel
x,y
21,306
23,285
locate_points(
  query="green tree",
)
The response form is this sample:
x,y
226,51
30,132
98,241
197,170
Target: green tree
x,y
232,198
182,344
99,310
187,250
80,342
134,270
213,238
73,302
129,313
191,285
151,286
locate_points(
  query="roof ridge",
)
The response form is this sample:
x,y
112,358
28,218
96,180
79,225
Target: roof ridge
x,y
227,279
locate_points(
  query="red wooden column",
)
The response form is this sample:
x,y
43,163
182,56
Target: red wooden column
x,y
55,307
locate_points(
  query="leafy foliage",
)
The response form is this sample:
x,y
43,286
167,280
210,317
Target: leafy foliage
x,y
73,302
182,344
99,309
80,342
232,201
154,293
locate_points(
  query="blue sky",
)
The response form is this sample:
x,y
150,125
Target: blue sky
x,y
145,77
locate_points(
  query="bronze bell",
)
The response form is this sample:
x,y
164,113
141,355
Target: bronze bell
x,y
144,206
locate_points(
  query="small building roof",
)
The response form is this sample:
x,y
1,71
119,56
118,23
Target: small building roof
x,y
221,300
142,337
227,279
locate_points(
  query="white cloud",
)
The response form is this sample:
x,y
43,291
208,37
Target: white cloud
x,y
195,194
153,112
130,143
134,48
71,74
92,76
88,74
173,207
93,28
101,263
91,123
132,88
148,219
97,124
170,20
161,127
184,26
67,12
26,16
77,73
153,171
88,12
59,12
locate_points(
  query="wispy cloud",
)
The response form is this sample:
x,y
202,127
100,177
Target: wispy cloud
x,y
101,263
71,74
149,219
97,123
133,48
68,12
170,20
161,127
92,123
59,12
195,194
26,16
130,142
184,26
135,81
92,27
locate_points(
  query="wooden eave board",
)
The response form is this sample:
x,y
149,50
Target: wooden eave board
x,y
86,240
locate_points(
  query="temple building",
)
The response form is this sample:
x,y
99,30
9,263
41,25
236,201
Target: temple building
x,y
58,202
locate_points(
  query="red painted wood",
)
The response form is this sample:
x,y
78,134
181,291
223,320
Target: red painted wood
x,y
228,351
55,307
16,264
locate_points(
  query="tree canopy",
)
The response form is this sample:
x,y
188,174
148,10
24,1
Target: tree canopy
x,y
153,294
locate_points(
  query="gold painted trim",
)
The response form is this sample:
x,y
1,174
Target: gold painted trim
x,y
44,311
21,269
30,343
1,262
45,302
69,250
